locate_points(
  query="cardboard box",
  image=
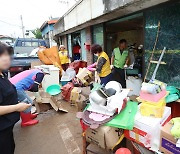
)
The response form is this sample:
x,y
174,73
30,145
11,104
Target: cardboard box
x,y
75,94
44,98
36,63
94,149
148,126
106,137
168,143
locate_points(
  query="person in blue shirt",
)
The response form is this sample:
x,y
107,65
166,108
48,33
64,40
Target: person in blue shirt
x,y
28,80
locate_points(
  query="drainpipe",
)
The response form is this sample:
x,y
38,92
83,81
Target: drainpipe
x,y
50,43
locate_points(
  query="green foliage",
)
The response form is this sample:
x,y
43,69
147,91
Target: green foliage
x,y
37,33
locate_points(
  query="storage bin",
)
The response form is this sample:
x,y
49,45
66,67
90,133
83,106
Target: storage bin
x,y
161,101
64,82
50,79
151,110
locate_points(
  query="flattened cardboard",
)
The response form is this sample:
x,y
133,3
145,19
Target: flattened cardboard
x,y
58,105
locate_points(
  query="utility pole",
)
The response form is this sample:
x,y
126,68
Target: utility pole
x,y
22,26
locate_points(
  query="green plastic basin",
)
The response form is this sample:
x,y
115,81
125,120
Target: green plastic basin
x,y
53,89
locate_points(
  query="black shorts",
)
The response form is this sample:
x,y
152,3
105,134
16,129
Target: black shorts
x,y
7,145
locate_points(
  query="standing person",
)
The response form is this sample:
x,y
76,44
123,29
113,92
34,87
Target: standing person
x,y
9,107
64,57
77,51
103,64
28,80
119,60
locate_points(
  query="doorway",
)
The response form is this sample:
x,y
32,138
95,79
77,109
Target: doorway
x,y
76,45
131,29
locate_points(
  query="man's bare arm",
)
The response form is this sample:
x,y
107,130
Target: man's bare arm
x,y
112,60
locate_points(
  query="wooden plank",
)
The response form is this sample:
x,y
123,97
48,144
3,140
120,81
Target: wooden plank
x,y
155,62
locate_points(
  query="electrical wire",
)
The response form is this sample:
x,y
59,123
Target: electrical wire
x,y
9,23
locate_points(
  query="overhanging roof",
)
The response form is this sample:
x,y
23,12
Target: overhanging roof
x,y
72,20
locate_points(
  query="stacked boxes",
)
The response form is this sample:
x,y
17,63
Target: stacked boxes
x,y
153,109
168,142
146,131
152,99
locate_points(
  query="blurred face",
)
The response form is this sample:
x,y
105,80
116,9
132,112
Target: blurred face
x,y
122,45
5,61
62,48
96,54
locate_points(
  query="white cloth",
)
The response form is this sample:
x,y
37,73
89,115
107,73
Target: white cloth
x,y
178,143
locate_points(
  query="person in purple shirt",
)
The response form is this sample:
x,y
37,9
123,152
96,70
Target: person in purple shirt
x,y
28,80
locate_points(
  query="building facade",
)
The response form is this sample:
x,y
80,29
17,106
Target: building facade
x,y
7,39
106,22
47,31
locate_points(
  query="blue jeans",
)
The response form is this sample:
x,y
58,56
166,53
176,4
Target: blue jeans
x,y
23,97
106,79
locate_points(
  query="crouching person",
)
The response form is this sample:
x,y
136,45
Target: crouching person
x,y
28,80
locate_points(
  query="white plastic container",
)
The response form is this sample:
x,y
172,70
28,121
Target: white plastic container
x,y
133,84
51,78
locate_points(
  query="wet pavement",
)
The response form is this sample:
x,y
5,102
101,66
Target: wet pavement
x,y
56,133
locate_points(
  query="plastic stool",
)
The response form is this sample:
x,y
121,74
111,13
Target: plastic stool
x,y
123,151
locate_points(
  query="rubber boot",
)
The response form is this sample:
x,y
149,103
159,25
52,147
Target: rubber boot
x,y
33,116
26,119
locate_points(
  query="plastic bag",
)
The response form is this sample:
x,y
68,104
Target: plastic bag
x,y
125,119
174,94
68,75
66,91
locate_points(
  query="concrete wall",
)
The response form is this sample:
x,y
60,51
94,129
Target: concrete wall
x,y
89,40
91,12
64,41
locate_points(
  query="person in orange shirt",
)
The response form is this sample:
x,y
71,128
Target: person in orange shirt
x,y
64,57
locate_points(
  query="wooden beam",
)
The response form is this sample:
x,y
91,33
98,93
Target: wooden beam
x,y
155,62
